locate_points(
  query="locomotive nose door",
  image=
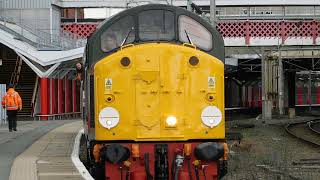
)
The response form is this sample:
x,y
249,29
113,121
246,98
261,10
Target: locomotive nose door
x,y
147,96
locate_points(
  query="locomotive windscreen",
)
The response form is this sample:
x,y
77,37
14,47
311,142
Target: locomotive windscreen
x,y
156,25
120,33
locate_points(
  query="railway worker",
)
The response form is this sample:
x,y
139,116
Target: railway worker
x,y
109,41
79,71
13,103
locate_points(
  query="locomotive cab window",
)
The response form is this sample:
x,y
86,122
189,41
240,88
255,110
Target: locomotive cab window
x,y
191,31
120,33
156,25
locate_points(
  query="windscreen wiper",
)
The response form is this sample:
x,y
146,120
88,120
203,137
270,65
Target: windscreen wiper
x,y
189,38
127,36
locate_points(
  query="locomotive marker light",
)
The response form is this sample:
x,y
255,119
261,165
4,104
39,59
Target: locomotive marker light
x,y
125,62
210,97
194,61
211,116
171,121
109,117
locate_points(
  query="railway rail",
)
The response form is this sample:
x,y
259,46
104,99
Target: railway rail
x,y
315,126
306,131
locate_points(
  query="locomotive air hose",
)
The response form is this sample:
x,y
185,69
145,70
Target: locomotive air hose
x,y
127,173
120,173
173,167
178,165
176,173
197,173
147,166
189,169
204,173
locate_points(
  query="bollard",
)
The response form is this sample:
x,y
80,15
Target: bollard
x,y
292,113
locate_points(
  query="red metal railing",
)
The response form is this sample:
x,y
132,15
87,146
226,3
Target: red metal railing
x,y
283,29
79,29
268,29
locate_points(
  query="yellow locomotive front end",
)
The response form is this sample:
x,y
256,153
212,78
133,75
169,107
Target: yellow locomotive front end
x,y
159,92
154,97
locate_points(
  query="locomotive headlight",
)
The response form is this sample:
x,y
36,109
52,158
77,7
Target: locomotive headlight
x,y
109,117
211,116
171,121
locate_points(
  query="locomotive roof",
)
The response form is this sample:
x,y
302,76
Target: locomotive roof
x,y
94,39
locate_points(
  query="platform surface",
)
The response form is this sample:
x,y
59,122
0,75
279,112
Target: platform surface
x,y
15,154
49,158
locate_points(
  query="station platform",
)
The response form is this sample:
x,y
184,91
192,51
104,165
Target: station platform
x,y
39,150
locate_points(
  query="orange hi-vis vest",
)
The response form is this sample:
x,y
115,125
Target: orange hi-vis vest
x,y
12,100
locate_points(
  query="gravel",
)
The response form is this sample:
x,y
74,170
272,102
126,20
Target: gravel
x,y
268,152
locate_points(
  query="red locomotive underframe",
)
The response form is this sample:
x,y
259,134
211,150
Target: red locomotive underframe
x,y
136,168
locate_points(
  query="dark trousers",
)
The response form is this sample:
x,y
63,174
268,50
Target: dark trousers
x,y
12,119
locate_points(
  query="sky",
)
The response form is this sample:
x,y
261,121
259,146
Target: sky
x,y
99,13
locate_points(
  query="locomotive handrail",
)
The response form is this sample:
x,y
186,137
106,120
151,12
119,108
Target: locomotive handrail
x,y
126,46
189,45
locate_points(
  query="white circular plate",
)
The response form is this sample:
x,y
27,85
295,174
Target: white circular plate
x,y
109,117
211,116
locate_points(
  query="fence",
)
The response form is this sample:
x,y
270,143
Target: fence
x,y
3,113
41,39
64,116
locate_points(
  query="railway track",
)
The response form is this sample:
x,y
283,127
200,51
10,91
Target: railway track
x,y
315,126
306,131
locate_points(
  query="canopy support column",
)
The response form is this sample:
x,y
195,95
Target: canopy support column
x,y
44,98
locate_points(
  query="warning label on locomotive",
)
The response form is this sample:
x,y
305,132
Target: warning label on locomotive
x,y
108,83
211,82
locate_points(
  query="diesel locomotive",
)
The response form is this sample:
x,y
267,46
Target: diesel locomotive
x,y
153,91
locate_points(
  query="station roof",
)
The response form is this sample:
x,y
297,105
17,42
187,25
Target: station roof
x,y
264,2
43,63
124,3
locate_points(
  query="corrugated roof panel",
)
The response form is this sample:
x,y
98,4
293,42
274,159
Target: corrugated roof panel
x,y
86,3
26,4
122,3
264,2
247,2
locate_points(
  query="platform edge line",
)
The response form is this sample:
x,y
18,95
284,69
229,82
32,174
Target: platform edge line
x,y
75,158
